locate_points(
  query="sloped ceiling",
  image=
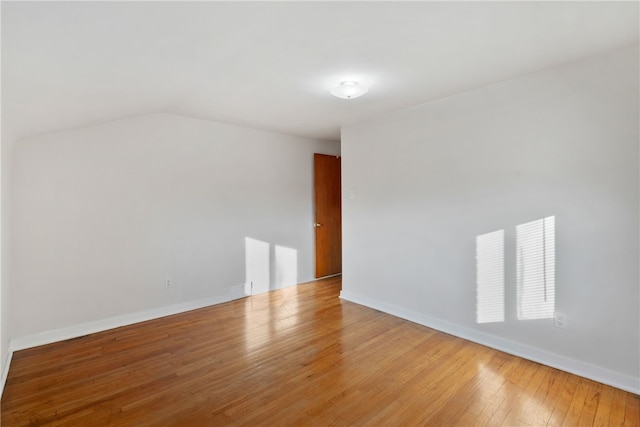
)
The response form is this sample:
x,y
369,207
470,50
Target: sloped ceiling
x,y
270,65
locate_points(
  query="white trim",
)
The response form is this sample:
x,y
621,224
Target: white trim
x,y
592,372
596,373
82,329
48,337
75,331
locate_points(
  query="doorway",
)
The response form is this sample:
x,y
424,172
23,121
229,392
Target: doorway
x,y
328,214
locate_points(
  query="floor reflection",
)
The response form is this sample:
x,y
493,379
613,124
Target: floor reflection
x,y
269,317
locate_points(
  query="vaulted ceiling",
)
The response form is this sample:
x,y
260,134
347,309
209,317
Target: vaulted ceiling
x,y
270,65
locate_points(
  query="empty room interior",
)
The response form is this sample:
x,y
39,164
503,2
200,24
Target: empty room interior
x,y
320,213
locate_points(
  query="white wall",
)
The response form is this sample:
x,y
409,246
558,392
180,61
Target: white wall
x,y
103,214
428,180
5,265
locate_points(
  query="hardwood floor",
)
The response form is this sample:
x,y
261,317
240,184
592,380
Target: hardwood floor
x,y
298,356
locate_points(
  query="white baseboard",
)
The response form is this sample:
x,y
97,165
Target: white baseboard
x,y
48,337
75,331
596,373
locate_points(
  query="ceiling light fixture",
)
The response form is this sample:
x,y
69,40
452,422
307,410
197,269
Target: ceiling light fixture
x,y
349,90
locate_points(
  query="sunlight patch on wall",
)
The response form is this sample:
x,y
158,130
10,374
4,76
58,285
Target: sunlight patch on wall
x,y
490,277
286,266
536,267
257,265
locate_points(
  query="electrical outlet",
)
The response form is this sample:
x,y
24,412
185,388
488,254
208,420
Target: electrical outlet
x,y
560,320
168,282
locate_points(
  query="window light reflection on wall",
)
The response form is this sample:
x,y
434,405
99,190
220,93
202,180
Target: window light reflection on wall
x,y
490,277
536,266
535,272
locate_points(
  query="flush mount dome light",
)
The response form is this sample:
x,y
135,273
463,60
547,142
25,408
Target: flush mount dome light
x,y
349,90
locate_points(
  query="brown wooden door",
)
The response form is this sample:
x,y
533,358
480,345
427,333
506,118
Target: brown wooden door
x,y
328,214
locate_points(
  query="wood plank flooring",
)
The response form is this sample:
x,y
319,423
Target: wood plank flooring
x,y
297,356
